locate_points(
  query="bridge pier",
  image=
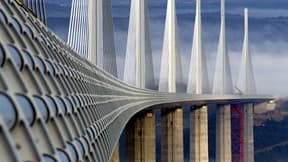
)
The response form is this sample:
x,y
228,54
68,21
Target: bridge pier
x,y
223,134
172,135
140,139
199,134
242,133
248,132
237,133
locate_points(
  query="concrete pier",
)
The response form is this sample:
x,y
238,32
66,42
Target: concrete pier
x,y
223,134
248,133
140,139
172,135
199,135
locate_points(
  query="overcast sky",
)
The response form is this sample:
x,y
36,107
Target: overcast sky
x,y
268,35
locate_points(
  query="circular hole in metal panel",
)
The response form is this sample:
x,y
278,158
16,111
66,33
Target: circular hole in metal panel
x,y
77,102
80,101
3,18
27,108
28,31
40,64
90,132
16,56
50,67
94,131
72,99
8,111
72,152
16,25
86,144
28,59
52,105
61,104
42,107
80,147
69,106
48,158
2,55
62,156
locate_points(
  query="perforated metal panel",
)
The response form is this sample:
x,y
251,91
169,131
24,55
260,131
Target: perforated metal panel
x,y
55,106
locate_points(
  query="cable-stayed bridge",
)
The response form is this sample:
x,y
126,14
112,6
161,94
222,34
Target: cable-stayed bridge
x,y
59,101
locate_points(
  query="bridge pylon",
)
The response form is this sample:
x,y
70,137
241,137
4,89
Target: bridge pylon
x,y
138,72
198,83
246,83
91,33
223,85
171,80
101,45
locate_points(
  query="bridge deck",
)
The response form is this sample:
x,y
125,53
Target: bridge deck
x,y
57,104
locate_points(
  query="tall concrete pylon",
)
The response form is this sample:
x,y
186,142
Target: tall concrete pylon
x,y
223,85
171,81
91,33
101,45
138,69
222,78
198,83
38,8
246,84
171,77
246,81
138,72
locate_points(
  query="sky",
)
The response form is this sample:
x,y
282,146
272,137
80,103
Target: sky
x,y
268,35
